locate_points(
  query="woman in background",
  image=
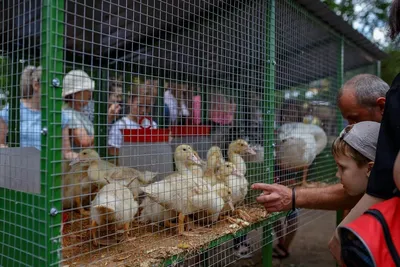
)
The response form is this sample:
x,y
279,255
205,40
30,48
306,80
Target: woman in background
x,y
30,115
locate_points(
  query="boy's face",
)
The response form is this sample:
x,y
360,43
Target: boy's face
x,y
141,106
353,178
82,98
116,95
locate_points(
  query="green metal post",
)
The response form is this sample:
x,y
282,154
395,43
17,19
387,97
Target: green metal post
x,y
339,118
13,104
51,152
101,113
269,118
378,68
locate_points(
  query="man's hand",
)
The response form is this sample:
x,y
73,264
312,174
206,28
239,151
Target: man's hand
x,y
275,197
334,247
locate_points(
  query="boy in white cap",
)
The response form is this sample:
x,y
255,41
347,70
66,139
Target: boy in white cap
x,y
354,153
77,92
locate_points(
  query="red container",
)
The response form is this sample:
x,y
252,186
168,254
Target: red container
x,y
188,130
146,135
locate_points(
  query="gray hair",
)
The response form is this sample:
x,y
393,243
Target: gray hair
x,y
368,88
29,75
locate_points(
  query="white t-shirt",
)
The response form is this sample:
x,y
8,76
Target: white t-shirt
x,y
115,137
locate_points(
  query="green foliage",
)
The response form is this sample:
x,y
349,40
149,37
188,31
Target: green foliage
x,y
368,14
390,66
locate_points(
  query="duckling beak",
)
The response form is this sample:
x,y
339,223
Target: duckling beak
x,y
250,151
237,173
193,158
74,161
230,203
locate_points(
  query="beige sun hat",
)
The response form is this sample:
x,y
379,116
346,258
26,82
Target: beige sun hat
x,y
76,81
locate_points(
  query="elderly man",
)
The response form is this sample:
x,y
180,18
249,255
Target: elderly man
x,y
360,99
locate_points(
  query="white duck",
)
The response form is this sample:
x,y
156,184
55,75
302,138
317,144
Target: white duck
x,y
176,191
297,146
114,203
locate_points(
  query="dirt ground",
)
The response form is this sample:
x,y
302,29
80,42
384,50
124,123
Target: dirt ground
x,y
309,248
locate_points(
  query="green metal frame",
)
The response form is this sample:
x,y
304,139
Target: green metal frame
x,y
101,111
30,235
269,113
339,118
51,155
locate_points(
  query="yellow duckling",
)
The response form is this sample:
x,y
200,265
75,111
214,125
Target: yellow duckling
x,y
114,203
100,170
77,188
176,190
235,149
214,160
212,203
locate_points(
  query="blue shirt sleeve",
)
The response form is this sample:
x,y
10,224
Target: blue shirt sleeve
x,y
4,114
64,120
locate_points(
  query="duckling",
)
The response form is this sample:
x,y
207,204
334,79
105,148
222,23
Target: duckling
x,y
77,188
197,170
155,213
235,149
99,170
214,160
176,190
114,203
212,203
298,145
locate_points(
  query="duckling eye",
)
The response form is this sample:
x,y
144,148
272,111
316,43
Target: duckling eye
x,y
84,153
242,144
184,149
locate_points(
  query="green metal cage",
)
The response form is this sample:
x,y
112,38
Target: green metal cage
x,y
280,60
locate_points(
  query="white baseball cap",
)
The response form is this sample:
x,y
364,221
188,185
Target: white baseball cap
x,y
363,137
76,81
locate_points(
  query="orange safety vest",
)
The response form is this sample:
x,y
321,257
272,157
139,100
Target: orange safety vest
x,y
373,239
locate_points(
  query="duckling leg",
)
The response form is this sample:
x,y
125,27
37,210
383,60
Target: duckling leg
x,y
126,230
244,215
181,223
93,232
169,224
189,224
305,174
82,211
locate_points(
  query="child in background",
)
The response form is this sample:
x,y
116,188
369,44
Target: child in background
x,y
354,153
115,100
77,92
30,114
176,110
140,102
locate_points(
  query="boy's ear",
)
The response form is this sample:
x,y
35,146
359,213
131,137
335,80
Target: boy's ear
x,y
370,165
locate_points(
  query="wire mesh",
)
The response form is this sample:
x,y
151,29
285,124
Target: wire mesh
x,y
144,123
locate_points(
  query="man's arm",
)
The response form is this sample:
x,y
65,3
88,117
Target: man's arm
x,y
276,197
